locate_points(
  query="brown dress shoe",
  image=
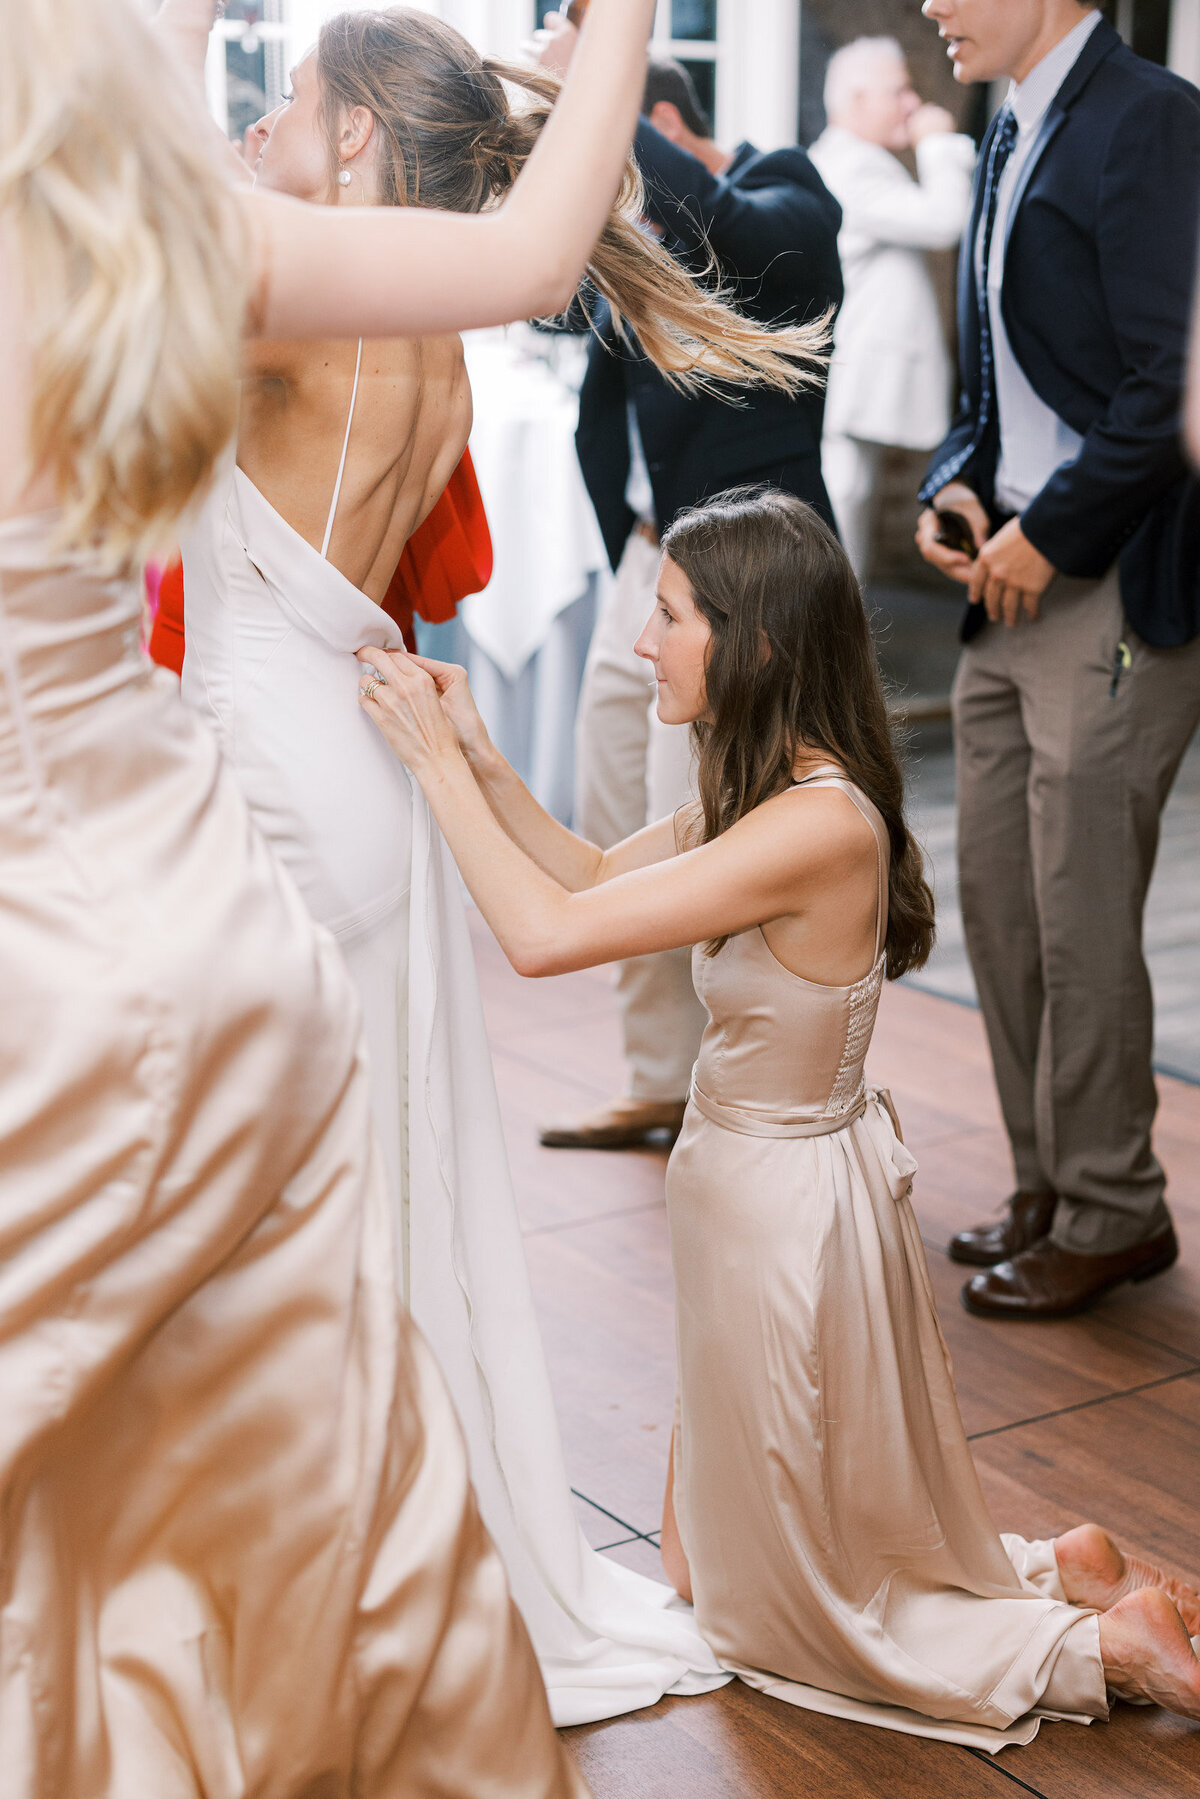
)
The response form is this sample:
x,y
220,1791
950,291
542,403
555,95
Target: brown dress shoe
x,y
1049,1282
626,1124
1028,1218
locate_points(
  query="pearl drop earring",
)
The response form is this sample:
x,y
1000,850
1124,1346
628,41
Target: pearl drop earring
x,y
343,177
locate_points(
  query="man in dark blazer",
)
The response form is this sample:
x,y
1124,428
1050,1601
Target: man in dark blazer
x,y
647,453
1079,685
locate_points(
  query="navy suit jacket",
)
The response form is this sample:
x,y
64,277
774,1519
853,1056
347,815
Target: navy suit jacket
x,y
773,226
1096,300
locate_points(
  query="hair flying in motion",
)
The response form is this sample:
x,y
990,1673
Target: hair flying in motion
x,y
451,137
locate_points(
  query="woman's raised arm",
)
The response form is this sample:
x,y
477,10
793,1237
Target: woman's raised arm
x,y
402,271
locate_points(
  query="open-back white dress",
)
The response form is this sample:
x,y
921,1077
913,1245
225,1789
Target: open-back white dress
x,y
272,628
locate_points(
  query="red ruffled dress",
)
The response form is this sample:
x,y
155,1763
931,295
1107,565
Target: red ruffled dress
x,y
446,559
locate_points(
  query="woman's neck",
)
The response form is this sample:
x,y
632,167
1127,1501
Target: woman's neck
x,y
808,761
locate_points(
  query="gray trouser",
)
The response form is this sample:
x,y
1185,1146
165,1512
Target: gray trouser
x,y
1061,785
631,771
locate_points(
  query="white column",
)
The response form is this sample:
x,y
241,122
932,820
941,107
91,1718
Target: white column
x,y
1184,53
758,94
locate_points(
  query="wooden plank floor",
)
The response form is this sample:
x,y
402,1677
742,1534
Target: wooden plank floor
x,y
1096,1417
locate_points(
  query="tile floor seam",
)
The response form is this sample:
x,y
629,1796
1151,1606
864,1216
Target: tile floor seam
x,y
623,1522
993,1762
1127,1330
1085,1405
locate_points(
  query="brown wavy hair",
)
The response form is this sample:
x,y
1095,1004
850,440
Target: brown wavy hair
x,y
767,572
450,137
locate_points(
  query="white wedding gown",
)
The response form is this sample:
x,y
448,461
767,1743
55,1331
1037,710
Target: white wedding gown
x,y
272,628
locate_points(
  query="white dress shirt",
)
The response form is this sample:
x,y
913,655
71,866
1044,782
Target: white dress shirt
x,y
1034,441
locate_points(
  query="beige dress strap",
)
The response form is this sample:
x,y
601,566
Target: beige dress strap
x,y
832,776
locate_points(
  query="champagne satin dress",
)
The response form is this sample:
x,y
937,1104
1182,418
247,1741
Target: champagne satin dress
x,y
841,1553
240,1551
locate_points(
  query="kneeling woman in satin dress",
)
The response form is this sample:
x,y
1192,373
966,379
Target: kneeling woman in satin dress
x,y
825,1517
240,1550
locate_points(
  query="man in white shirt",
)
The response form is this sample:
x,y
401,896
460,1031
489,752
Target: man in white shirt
x,y
1079,685
889,382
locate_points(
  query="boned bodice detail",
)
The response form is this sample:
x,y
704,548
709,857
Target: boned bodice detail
x,y
783,1054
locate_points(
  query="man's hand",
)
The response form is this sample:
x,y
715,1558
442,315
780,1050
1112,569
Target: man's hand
x,y
929,121
957,497
553,46
1010,576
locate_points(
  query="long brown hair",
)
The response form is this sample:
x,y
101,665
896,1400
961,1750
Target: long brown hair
x,y
765,570
449,137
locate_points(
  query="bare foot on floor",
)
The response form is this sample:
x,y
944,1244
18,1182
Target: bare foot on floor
x,y
1146,1653
1095,1573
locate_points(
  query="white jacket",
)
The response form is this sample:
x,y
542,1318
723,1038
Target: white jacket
x,y
889,381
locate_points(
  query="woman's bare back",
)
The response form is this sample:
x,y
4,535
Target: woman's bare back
x,y
412,419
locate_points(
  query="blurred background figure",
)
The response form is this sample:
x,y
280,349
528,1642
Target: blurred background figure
x,y
889,383
648,452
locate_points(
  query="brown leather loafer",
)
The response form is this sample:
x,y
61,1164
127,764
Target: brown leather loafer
x,y
1049,1282
1027,1219
626,1124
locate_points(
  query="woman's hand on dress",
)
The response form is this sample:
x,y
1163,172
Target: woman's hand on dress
x,y
403,701
458,703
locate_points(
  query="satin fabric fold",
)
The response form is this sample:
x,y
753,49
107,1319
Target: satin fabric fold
x,y
841,1554
240,1551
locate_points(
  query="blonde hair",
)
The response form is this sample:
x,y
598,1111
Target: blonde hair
x,y
131,261
450,138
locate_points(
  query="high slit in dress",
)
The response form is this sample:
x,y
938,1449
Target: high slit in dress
x,y
840,1550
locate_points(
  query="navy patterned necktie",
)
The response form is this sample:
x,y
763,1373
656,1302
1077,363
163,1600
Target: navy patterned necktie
x,y
1002,146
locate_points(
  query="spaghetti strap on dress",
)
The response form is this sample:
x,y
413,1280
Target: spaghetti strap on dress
x,y
842,1557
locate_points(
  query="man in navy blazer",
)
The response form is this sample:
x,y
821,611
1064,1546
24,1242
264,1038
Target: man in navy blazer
x,y
772,224
647,452
1079,685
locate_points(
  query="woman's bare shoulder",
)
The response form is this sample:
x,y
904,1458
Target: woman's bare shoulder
x,y
819,827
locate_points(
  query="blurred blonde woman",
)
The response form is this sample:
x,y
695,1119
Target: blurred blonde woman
x,y
240,1548
343,447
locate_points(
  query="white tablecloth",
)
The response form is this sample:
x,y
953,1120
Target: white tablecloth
x,y
525,639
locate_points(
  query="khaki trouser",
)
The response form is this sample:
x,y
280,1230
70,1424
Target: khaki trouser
x,y
631,771
1062,778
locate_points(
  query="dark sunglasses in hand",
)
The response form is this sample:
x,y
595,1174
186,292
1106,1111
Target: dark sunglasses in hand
x,y
954,533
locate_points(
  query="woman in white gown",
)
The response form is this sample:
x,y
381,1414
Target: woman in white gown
x,y
343,449
241,1553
